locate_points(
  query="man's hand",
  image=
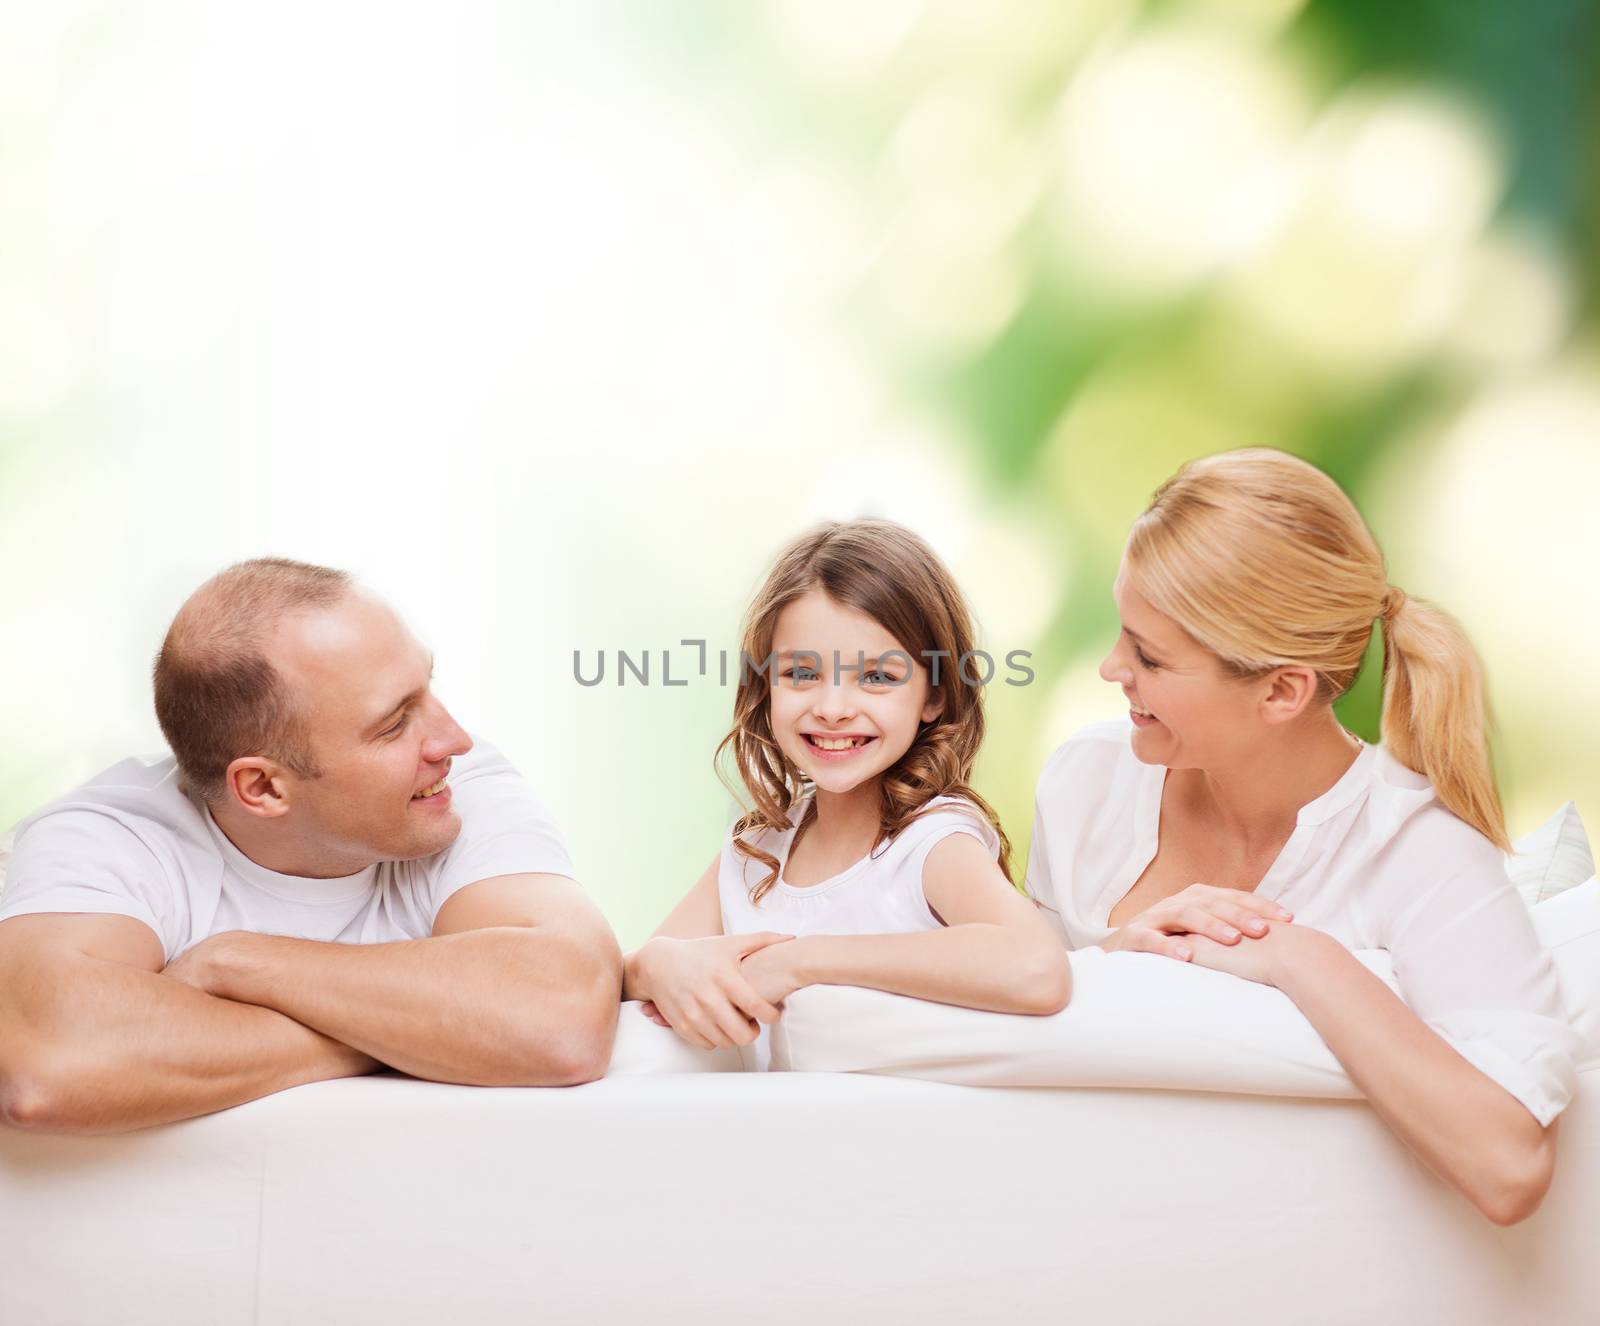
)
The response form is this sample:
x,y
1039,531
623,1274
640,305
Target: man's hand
x,y
207,965
93,1040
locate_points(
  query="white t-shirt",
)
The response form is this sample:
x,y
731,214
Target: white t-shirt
x,y
1377,861
881,894
129,842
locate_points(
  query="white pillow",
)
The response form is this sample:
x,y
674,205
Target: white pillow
x,y
1553,858
6,842
1136,1020
1569,926
643,1047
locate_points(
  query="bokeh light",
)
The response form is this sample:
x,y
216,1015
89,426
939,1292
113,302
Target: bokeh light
x,y
556,322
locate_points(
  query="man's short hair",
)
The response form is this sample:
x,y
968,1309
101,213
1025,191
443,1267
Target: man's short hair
x,y
218,697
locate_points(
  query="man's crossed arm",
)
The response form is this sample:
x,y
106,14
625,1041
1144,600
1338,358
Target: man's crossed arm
x,y
518,985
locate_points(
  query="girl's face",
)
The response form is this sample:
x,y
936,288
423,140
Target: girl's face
x,y
845,699
1187,712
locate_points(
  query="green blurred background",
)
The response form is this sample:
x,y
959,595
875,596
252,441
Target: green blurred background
x,y
556,321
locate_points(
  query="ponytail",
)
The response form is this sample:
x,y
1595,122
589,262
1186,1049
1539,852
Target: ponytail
x,y
1435,713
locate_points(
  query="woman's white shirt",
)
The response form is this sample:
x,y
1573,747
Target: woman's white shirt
x,y
1377,861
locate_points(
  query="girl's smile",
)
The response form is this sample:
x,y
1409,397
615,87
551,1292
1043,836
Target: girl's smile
x,y
837,746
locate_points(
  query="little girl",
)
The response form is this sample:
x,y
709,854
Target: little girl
x,y
867,858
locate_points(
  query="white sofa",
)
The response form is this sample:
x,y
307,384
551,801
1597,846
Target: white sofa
x,y
666,1195
679,1189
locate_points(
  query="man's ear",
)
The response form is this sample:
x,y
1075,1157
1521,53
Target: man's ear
x,y
1289,693
258,786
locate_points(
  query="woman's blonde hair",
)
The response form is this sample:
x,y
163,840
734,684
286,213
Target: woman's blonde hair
x,y
885,571
1263,559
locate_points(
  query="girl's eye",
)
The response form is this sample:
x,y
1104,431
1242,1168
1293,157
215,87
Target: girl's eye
x,y
801,673
877,677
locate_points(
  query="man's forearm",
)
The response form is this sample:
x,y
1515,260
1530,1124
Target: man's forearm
x,y
501,1006
107,1048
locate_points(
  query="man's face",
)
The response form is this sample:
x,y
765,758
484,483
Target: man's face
x,y
360,680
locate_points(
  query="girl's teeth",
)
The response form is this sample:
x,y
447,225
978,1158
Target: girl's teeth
x,y
841,743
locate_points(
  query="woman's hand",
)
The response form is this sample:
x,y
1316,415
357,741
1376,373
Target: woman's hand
x,y
1222,915
697,987
1262,959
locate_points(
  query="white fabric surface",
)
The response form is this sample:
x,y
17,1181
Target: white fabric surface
x,y
881,894
1569,926
643,1047
778,1198
1376,861
1139,1019
129,842
1554,857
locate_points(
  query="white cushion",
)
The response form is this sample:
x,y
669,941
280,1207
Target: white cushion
x,y
644,1047
1553,858
1136,1020
1569,926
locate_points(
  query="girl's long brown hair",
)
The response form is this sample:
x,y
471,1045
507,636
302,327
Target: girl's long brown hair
x,y
885,571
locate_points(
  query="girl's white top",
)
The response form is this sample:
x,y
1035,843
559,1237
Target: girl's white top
x,y
1376,861
881,894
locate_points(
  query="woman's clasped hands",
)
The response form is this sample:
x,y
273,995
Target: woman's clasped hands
x,y
1201,912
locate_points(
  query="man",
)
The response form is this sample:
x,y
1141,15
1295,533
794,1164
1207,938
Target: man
x,y
326,877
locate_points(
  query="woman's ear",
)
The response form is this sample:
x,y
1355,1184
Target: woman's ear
x,y
1289,692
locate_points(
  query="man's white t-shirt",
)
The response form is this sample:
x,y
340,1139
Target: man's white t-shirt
x,y
131,843
1377,861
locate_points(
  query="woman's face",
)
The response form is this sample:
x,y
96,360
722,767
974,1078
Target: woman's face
x,y
845,700
1187,712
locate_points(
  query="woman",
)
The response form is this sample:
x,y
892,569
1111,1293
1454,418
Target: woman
x,y
1236,824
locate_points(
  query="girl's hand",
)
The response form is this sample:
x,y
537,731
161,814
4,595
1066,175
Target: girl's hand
x,y
1222,915
697,988
771,972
